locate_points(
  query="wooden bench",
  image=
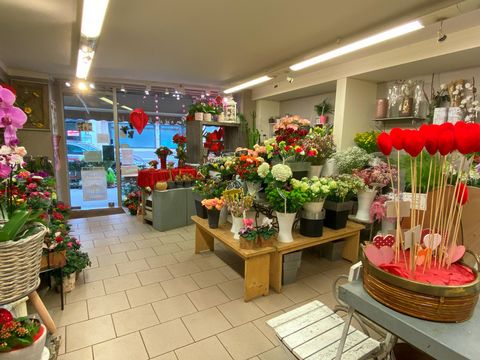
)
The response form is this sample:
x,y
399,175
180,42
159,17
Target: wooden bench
x,y
351,234
257,262
313,331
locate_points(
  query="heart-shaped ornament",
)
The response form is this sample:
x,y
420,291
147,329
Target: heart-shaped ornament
x,y
138,119
413,143
380,240
377,256
432,240
384,143
455,253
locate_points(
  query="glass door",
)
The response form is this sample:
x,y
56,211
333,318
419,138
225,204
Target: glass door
x,y
90,140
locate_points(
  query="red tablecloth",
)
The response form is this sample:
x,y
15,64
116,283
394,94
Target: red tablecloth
x,y
149,177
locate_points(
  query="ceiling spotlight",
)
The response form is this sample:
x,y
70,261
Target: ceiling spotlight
x,y
167,92
441,36
67,84
122,89
290,79
147,90
82,86
92,85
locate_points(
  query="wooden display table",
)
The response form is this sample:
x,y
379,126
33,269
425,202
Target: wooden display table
x,y
257,262
351,234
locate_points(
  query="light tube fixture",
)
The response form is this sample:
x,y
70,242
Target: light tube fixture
x,y
93,15
84,61
126,108
360,44
107,100
248,84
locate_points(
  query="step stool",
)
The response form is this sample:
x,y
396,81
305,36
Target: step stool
x,y
313,331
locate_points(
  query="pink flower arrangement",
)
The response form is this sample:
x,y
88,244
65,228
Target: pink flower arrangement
x,y
377,176
214,203
291,122
248,223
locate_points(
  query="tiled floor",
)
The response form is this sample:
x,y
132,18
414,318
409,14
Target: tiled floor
x,y
148,296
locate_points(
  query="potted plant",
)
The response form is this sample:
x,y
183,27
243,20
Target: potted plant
x,y
152,164
162,152
284,199
350,159
132,201
248,235
238,204
316,191
378,212
76,262
323,110
246,168
374,178
338,204
196,111
213,211
367,141
181,141
267,234
21,338
320,147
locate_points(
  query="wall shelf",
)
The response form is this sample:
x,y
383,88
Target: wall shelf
x,y
412,119
217,123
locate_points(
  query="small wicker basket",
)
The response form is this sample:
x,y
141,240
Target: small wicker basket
x,y
424,301
20,266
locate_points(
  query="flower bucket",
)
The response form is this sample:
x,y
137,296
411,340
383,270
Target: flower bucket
x,y
20,266
237,223
200,209
199,116
213,217
315,170
31,352
314,207
285,225
336,214
300,169
248,244
311,224
69,282
365,200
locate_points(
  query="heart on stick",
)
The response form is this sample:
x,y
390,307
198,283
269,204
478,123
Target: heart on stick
x,y
384,143
446,142
377,256
455,253
396,135
421,255
461,193
380,240
413,143
432,241
138,119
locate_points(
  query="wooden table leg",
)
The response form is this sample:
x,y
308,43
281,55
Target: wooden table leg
x,y
42,312
276,271
203,240
257,271
351,248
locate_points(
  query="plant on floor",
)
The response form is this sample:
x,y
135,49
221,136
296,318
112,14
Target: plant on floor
x,y
324,108
16,333
76,261
132,201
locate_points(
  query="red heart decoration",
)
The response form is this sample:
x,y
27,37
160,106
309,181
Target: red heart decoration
x,y
455,253
462,142
380,240
413,143
430,134
396,134
138,119
384,143
461,193
446,141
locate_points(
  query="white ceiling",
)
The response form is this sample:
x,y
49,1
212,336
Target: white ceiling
x,y
210,42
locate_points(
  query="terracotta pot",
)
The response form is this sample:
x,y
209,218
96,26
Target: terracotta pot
x,y
248,244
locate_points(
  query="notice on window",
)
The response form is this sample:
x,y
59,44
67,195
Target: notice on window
x,y
129,171
94,184
92,156
126,155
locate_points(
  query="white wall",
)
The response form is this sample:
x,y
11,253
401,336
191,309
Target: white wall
x,y
266,109
305,106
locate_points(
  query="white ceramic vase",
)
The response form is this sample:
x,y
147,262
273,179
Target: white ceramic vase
x,y
199,116
237,223
207,117
285,224
315,170
314,207
253,188
365,200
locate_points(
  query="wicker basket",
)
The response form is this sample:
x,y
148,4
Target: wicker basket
x,y
20,266
424,301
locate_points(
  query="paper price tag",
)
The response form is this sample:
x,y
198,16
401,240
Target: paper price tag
x,y
420,201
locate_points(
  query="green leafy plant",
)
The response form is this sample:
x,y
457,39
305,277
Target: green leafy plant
x,y
345,187
252,134
324,108
76,261
367,141
16,333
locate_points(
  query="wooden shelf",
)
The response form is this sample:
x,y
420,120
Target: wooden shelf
x,y
412,119
218,123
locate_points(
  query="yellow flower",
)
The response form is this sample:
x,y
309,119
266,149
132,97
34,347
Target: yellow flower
x,y
28,110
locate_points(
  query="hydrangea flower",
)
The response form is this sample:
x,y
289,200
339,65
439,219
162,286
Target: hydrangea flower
x,y
263,170
281,172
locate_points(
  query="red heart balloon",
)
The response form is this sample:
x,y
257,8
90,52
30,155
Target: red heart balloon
x,y
138,119
384,143
461,130
396,134
446,142
461,193
413,143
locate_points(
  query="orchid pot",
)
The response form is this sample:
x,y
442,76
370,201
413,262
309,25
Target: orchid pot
x,y
365,200
285,225
199,116
207,117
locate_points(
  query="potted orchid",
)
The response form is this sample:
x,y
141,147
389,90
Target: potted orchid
x,y
238,204
248,235
213,206
323,110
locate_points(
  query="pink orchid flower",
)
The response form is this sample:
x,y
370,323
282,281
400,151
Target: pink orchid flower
x,y
7,98
11,118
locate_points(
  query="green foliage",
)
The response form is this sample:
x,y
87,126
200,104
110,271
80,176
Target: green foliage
x,y
111,177
345,187
76,261
324,108
19,332
367,141
252,134
14,225
424,169
276,196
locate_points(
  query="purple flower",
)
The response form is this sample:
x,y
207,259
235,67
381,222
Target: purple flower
x,y
5,170
7,98
11,118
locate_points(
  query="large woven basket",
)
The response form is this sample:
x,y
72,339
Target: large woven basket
x,y
20,266
424,301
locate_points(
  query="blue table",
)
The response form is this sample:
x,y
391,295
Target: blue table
x,y
441,340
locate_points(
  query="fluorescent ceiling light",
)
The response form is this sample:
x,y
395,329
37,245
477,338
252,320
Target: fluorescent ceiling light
x,y
92,17
248,84
360,44
107,100
126,108
84,61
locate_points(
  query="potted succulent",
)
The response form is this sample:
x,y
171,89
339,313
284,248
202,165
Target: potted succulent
x,y
21,338
238,204
162,152
213,211
267,234
323,110
320,147
248,235
338,204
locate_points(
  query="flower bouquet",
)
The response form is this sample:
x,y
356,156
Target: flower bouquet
x,y
213,206
320,147
248,235
238,204
267,234
162,152
291,129
316,190
350,159
246,167
181,141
